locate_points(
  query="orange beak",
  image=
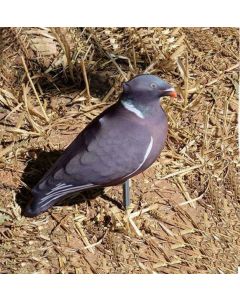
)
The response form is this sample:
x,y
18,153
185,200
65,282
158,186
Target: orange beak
x,y
171,92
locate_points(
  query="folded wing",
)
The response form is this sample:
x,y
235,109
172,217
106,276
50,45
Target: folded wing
x,y
106,152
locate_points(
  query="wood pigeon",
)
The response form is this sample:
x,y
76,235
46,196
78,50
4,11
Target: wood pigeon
x,y
121,142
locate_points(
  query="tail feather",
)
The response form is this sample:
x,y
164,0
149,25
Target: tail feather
x,y
44,199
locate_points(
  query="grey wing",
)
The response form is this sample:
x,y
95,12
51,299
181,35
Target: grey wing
x,y
111,152
108,150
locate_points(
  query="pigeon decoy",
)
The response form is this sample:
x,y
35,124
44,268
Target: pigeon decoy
x,y
121,142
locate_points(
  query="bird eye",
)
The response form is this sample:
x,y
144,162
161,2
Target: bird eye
x,y
153,85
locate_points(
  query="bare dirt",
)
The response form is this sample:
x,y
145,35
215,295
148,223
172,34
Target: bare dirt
x,y
184,216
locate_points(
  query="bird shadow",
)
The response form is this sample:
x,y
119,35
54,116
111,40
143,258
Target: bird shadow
x,y
37,166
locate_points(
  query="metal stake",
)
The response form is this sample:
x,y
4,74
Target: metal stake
x,y
126,194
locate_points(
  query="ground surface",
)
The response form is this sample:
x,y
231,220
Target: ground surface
x,y
185,212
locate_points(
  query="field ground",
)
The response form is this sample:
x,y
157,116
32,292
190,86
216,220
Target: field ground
x,y
184,216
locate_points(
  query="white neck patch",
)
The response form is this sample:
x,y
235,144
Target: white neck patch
x,y
130,106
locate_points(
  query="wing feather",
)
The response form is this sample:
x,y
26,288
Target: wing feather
x,y
105,151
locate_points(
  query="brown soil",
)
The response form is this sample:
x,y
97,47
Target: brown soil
x,y
184,216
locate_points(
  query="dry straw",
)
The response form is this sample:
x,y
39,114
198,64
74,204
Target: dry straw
x,y
185,212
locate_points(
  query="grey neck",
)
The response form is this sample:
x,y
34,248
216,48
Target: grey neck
x,y
141,109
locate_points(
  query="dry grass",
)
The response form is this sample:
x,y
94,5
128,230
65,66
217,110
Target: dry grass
x,y
185,212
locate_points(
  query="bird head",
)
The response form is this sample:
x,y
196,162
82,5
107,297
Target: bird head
x,y
148,87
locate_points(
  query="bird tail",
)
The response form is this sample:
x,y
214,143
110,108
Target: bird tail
x,y
44,199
